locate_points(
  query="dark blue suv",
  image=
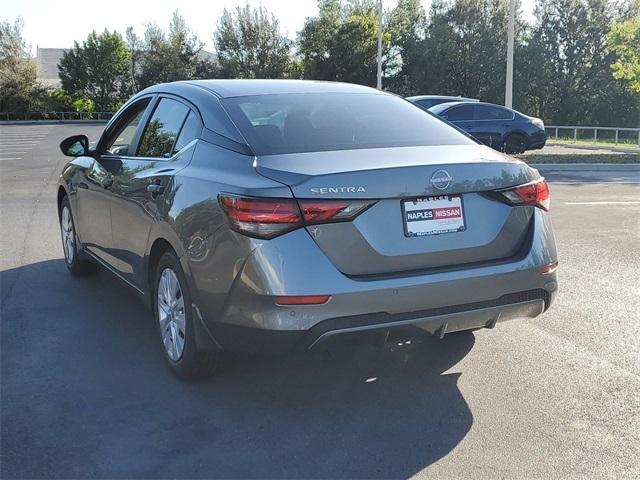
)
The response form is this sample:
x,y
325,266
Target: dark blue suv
x,y
499,127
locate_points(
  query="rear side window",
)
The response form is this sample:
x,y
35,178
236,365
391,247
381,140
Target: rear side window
x,y
191,130
460,113
487,112
162,130
308,122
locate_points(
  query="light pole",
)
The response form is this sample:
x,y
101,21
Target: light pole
x,y
379,75
508,90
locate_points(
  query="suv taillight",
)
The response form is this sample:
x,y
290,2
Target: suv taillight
x,y
534,193
269,217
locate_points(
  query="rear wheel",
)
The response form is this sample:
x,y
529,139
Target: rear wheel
x,y
72,256
514,143
173,312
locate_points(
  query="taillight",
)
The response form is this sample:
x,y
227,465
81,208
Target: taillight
x,y
325,211
534,193
270,217
261,217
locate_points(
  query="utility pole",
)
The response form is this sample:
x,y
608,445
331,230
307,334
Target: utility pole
x,y
379,77
508,90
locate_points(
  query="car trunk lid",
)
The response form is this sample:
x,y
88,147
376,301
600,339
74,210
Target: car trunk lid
x,y
383,239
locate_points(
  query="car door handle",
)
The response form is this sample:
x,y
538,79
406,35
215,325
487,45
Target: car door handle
x,y
155,189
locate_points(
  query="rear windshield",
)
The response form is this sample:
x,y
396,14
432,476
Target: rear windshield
x,y
312,122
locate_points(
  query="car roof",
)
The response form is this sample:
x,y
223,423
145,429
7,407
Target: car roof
x,y
444,106
440,97
226,88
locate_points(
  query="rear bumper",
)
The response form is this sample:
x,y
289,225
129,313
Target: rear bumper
x,y
434,302
537,140
382,326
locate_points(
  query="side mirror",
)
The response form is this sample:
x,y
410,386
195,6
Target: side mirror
x,y
75,146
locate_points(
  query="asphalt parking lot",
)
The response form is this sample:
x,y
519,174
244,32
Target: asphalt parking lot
x,y
85,392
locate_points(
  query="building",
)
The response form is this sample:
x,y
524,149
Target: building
x,y
47,60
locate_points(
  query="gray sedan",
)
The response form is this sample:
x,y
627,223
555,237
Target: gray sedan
x,y
270,215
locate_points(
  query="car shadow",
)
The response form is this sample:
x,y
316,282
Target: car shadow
x,y
85,393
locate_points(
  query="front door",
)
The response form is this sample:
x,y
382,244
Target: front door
x,y
95,201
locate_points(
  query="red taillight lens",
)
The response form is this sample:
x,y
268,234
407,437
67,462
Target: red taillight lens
x,y
261,217
324,211
302,299
534,193
270,217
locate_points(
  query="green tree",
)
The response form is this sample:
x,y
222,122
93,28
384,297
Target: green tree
x,y
97,70
20,92
407,25
341,43
624,41
249,45
161,57
565,75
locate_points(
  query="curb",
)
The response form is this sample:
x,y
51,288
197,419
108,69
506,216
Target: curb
x,y
586,167
52,122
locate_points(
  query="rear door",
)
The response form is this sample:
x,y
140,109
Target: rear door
x,y
491,121
461,116
141,190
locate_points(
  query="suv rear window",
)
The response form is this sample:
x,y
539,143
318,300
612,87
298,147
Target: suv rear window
x,y
311,122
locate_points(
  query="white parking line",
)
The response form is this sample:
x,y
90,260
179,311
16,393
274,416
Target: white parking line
x,y
11,153
630,202
11,158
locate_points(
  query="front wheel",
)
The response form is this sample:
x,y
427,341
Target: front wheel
x,y
75,264
173,312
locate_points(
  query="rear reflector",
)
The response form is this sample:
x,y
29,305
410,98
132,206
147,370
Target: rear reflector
x,y
534,193
303,299
549,268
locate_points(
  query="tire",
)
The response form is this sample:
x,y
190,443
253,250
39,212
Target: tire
x,y
514,143
73,257
174,317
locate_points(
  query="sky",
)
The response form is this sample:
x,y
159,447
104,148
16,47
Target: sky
x,y
57,23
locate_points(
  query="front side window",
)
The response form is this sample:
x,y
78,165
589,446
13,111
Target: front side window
x,y
162,130
309,122
458,114
118,143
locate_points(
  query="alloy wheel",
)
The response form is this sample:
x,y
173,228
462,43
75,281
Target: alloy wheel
x,y
68,236
171,313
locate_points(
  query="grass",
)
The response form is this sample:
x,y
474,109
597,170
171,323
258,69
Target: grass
x,y
604,142
595,158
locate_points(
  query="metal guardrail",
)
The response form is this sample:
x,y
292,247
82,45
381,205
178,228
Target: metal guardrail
x,y
578,128
56,116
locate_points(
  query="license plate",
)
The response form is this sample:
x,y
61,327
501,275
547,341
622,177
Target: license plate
x,y
433,215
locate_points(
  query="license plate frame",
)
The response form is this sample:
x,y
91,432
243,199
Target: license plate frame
x,y
422,205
